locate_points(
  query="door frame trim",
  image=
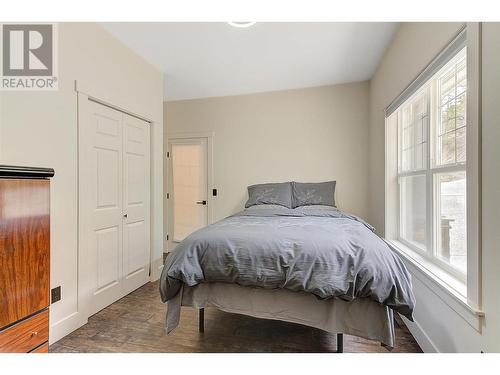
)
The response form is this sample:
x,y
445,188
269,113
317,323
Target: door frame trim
x,y
209,136
82,89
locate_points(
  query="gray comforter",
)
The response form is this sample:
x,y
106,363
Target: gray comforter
x,y
314,249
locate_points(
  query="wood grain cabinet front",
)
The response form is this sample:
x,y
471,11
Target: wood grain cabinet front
x,y
24,248
27,335
24,258
41,349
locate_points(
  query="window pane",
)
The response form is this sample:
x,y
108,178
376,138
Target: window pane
x,y
420,157
447,86
413,210
447,148
452,83
447,121
447,117
461,145
460,110
412,128
461,77
451,220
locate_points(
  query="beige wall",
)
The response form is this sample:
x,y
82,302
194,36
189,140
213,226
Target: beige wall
x,y
313,134
438,326
40,129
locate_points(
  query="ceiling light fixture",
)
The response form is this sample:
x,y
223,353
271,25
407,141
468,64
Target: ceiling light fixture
x,y
242,24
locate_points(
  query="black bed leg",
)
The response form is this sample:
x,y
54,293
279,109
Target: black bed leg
x,y
201,320
340,343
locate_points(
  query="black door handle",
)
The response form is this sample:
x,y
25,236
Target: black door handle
x,y
202,202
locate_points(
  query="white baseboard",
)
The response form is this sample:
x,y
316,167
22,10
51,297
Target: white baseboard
x,y
420,336
65,326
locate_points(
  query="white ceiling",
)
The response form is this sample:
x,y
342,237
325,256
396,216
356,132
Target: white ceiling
x,y
216,59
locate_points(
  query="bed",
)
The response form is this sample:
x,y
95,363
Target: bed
x,y
294,261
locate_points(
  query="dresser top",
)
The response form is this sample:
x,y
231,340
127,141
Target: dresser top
x,y
12,171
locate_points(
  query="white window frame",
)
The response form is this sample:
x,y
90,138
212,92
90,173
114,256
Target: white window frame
x,y
466,289
430,171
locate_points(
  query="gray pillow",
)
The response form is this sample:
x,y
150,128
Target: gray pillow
x,y
315,193
275,193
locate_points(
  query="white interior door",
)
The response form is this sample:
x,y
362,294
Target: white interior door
x,y
113,205
136,176
188,208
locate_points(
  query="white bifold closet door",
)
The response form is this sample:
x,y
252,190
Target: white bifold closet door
x,y
114,205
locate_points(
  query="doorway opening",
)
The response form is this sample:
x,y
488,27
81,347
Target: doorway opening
x,y
189,195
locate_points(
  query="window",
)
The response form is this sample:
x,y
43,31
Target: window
x,y
431,167
433,173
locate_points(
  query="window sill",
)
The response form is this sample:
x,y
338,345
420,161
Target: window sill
x,y
449,289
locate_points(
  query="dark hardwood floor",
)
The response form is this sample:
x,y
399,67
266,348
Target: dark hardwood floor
x,y
136,324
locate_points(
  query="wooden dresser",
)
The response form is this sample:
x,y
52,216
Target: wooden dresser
x,y
24,258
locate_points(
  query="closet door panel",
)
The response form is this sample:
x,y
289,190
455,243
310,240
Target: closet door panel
x,y
101,206
136,202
